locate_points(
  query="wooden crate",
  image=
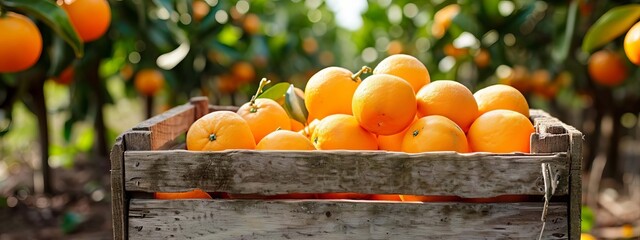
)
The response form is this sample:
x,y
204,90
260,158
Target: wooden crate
x,y
148,158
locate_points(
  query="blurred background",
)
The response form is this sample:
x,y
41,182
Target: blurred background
x,y
59,118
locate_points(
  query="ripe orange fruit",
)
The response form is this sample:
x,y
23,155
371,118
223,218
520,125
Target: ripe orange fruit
x,y
329,92
309,45
455,52
126,72
149,81
66,76
417,198
285,140
90,18
500,131
264,117
218,131
586,236
406,67
434,133
200,9
251,24
20,43
384,104
632,44
243,72
195,194
296,126
341,131
227,84
395,47
450,99
393,142
540,79
353,196
386,197
519,78
482,58
501,96
443,18
310,128
607,68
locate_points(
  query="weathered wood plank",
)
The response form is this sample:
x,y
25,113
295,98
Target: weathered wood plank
x,y
575,183
118,201
201,105
276,172
220,219
168,125
137,140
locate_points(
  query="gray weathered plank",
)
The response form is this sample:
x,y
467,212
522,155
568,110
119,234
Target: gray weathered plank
x,y
250,219
118,200
137,140
276,172
575,183
167,126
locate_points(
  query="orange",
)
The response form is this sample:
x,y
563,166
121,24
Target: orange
x,y
251,24
406,67
310,128
264,116
66,76
482,58
149,81
518,78
607,68
455,52
90,18
632,44
330,91
285,140
200,9
126,72
296,126
309,45
501,96
395,47
384,104
353,196
418,198
443,18
450,99
227,84
195,194
243,72
218,131
586,236
540,79
393,142
20,43
500,131
434,133
386,197
341,131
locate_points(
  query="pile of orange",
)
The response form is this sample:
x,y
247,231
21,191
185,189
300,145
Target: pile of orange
x,y
397,108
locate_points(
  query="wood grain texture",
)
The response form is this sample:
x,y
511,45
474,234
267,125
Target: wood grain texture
x,y
201,105
575,183
137,140
237,219
167,126
276,172
118,200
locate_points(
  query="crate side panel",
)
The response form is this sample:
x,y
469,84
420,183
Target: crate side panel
x,y
276,172
219,219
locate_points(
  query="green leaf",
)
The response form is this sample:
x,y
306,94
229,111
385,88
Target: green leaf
x,y
276,91
295,107
61,57
562,50
84,142
588,219
611,25
54,16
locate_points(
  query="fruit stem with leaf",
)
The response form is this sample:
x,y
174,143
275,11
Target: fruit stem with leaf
x,y
263,83
362,70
